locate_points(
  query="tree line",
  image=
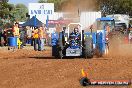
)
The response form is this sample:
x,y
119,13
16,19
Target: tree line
x,y
11,12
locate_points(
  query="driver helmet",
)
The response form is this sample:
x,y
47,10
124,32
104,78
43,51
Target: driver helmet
x,y
76,30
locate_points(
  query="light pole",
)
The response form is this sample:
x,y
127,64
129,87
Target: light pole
x,y
78,8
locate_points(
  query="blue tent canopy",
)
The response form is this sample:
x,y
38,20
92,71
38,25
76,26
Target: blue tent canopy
x,y
34,22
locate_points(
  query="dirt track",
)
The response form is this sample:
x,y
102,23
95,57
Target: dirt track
x,y
30,69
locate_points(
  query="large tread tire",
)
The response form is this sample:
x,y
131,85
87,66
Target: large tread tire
x,y
88,48
98,53
60,48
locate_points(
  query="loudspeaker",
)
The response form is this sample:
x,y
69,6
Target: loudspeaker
x,y
27,15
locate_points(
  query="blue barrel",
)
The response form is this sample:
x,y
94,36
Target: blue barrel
x,y
12,41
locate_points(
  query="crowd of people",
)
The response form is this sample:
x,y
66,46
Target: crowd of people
x,y
36,36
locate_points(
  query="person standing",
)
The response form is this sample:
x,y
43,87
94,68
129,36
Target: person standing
x,y
22,37
16,30
8,33
36,39
29,35
42,38
5,37
1,38
16,33
108,29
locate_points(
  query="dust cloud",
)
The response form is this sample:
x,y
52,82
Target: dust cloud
x,y
119,46
77,6
82,5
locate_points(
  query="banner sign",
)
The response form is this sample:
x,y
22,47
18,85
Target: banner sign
x,y
41,9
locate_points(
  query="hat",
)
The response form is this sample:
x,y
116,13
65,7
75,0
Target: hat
x,y
35,27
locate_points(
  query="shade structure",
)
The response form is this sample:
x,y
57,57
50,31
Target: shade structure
x,y
34,22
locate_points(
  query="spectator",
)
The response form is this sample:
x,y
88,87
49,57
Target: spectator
x,y
41,37
29,34
16,30
5,37
1,38
8,33
32,39
45,35
36,39
22,36
49,39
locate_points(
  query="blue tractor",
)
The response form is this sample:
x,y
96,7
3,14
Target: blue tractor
x,y
74,42
105,26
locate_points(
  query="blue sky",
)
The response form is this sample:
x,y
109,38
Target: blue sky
x,y
22,1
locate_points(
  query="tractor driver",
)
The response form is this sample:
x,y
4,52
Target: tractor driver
x,y
75,34
75,37
107,27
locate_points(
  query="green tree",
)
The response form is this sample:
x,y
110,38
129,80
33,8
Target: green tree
x,y
116,6
10,13
4,9
19,12
4,13
21,6
4,0
42,1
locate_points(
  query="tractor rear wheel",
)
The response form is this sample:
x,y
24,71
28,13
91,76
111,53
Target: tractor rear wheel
x,y
98,52
60,48
88,48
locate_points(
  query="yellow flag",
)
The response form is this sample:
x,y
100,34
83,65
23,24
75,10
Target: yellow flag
x,y
83,73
